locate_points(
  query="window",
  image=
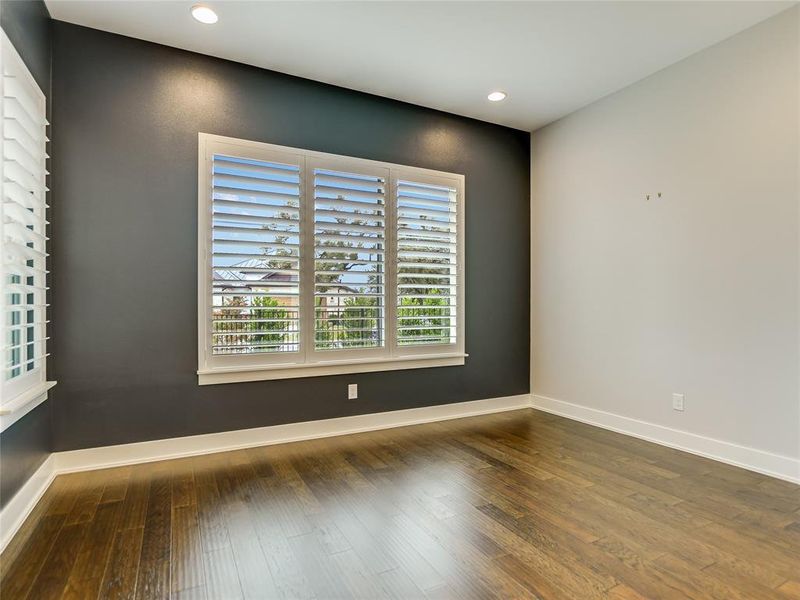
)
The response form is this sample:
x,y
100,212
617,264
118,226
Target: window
x,y
255,257
427,263
23,382
317,264
349,260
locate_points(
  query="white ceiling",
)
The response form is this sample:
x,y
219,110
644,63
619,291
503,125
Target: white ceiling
x,y
551,57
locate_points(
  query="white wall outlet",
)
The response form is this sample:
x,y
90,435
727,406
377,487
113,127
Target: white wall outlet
x,y
352,391
677,402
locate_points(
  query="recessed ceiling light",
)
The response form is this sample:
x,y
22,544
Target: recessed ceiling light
x,y
497,96
204,14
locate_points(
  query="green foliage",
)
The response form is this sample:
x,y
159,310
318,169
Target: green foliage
x,y
356,321
275,321
431,323
265,324
428,322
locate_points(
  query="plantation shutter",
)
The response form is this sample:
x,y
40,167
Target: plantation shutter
x,y
427,263
22,227
318,264
349,260
255,256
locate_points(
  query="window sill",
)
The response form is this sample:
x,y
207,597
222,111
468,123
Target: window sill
x,y
338,367
13,410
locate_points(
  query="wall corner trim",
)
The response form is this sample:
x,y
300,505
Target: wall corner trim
x,y
20,506
752,459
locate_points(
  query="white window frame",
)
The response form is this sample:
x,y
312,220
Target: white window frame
x,y
309,362
20,395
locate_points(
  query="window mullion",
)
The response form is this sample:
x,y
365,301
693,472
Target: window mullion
x,y
205,249
307,261
390,290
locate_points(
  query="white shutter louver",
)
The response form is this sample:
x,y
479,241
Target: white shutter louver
x,y
22,226
349,260
427,263
255,256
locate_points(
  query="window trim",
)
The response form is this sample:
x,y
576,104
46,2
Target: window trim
x,y
237,368
21,395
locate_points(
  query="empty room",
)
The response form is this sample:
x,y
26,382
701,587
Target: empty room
x,y
328,300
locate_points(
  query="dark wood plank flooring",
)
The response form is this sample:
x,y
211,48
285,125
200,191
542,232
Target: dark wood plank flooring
x,y
514,505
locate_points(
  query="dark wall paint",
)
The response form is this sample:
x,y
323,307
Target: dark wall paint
x,y
25,445
125,135
27,25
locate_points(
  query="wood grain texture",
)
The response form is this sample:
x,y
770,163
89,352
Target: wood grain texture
x,y
514,505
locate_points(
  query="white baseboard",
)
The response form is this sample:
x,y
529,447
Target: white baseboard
x,y
127,454
774,465
23,502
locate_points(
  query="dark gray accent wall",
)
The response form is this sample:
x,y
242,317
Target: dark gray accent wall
x,y
23,448
26,444
27,25
125,123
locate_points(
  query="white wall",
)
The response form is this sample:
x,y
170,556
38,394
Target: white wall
x,y
695,292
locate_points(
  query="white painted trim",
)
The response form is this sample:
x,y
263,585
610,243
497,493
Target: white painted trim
x,y
752,459
334,367
13,411
22,503
127,454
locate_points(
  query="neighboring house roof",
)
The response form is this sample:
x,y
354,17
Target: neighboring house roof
x,y
334,287
237,274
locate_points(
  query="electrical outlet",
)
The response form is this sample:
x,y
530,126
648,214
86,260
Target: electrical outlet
x,y
677,402
352,391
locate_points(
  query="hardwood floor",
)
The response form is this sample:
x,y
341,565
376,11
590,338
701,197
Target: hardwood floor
x,y
514,505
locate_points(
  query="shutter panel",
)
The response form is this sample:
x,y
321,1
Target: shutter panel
x,y
255,257
22,225
349,260
427,263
